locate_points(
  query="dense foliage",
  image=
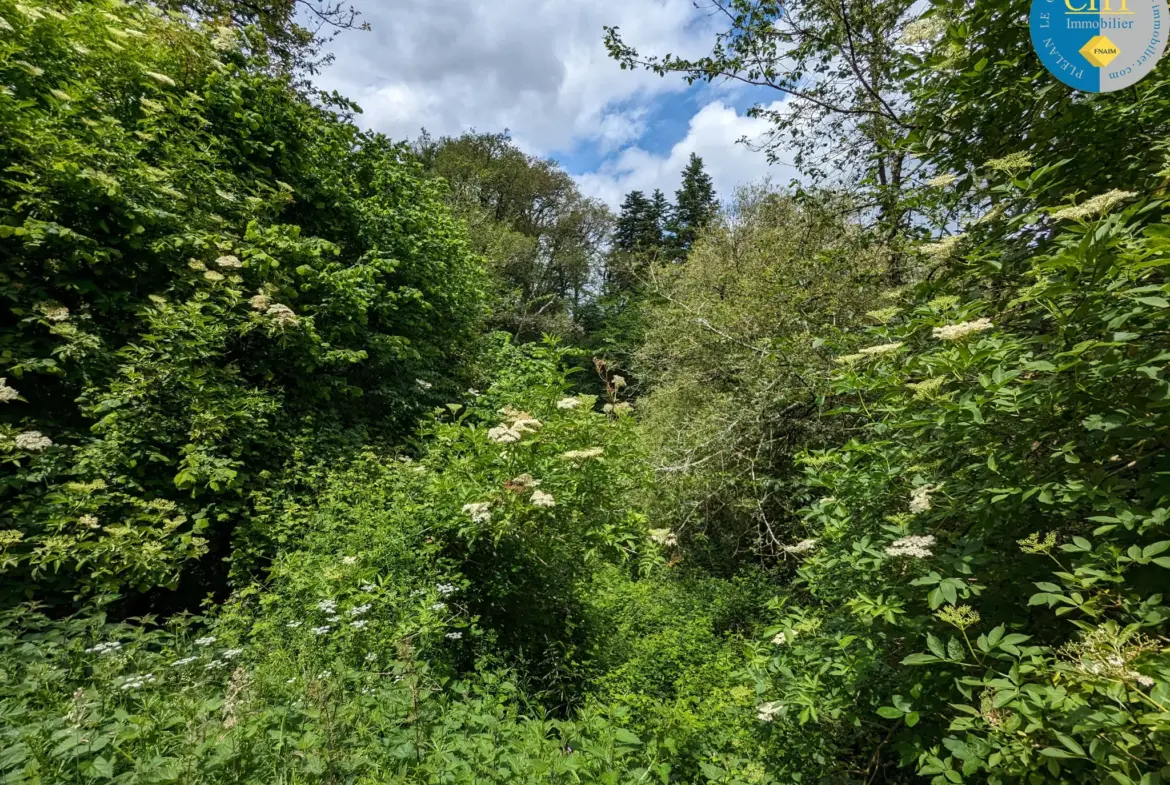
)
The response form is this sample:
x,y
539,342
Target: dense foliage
x,y
862,483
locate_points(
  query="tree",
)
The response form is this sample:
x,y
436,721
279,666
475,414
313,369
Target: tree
x,y
695,205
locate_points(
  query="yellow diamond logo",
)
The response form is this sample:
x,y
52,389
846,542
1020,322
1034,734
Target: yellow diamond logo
x,y
1100,51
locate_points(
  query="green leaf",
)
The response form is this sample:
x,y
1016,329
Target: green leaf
x,y
890,713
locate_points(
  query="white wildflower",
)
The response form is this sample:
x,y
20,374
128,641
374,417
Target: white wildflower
x,y
292,625
207,641
943,249
767,711
182,662
89,521
423,384
942,181
359,610
523,481
480,512
229,261
884,348
229,653
33,441
781,639
439,606
371,657
134,682
916,546
664,537
920,498
1145,681
214,664
542,499
922,31
55,313
368,587
327,606
801,547
359,624
348,560
162,78
324,628
563,403
454,635
1098,205
7,393
104,648
618,382
333,619
848,359
1010,162
581,455
502,434
260,302
213,276
282,315
445,589
956,332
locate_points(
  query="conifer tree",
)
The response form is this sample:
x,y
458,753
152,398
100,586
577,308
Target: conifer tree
x,y
694,205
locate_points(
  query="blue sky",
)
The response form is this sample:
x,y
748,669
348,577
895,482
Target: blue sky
x,y
539,68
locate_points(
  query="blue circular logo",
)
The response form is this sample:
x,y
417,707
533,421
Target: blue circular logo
x,y
1099,45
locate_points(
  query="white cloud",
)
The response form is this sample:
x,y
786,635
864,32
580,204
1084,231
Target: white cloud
x,y
713,134
537,67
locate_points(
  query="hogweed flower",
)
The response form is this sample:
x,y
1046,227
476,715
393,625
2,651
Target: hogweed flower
x,y
542,499
957,332
229,653
182,662
916,546
480,512
7,393
33,441
1098,205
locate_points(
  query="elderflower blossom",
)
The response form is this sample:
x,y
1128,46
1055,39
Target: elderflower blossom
x,y
205,641
282,315
1010,162
766,712
927,388
480,512
618,381
348,560
885,348
196,265
581,455
327,606
445,589
89,521
524,481
942,181
502,434
134,682
33,441
55,313
920,499
359,624
104,648
1098,205
324,628
884,315
542,499
563,403
260,302
803,546
7,393
922,31
182,662
213,276
848,359
916,546
230,653
943,249
664,537
783,640
229,261
957,332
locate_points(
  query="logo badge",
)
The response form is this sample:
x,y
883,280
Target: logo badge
x,y
1099,46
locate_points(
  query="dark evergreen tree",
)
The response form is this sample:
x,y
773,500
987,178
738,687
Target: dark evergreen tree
x,y
660,211
631,223
694,205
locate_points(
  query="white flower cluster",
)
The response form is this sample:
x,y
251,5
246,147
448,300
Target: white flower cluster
x,y
957,332
292,625
282,315
134,682
55,313
439,606
445,589
230,653
454,635
766,712
542,499
480,512
563,403
920,499
1098,205
9,394
327,606
782,640
324,628
423,384
207,641
942,180
801,547
182,662
260,302
348,560
916,546
359,624
922,31
664,537
33,441
368,587
516,424
582,455
229,261
360,610
943,249
104,648
89,521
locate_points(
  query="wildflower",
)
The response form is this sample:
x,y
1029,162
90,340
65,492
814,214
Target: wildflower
x,y
1098,205
473,392
368,587
922,31
282,315
618,382
994,214
89,521
1034,545
526,425
213,276
523,482
885,315
196,265
920,498
542,499
324,628
480,512
502,434
227,655
943,249
371,657
782,640
104,648
957,332
327,606
214,664
767,711
961,616
260,302
664,537
1010,162
849,359
324,674
54,312
182,662
445,589
581,455
7,393
916,546
885,348
359,624
359,610
944,302
942,181
801,547
621,407
292,625
422,384
454,635
333,618
927,388
163,78
134,682
348,560
33,441
229,261
439,606
564,403
1144,681
207,641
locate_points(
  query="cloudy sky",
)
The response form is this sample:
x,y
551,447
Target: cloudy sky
x,y
539,68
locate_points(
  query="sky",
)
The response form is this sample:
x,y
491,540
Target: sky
x,y
539,68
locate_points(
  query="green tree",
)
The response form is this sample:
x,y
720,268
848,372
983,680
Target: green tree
x,y
695,206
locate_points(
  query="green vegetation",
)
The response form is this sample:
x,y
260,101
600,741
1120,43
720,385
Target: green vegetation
x,y
857,482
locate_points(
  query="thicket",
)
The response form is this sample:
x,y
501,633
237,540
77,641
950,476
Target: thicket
x,y
889,505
